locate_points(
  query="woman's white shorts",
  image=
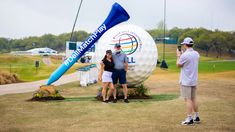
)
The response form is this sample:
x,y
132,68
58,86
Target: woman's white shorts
x,y
107,76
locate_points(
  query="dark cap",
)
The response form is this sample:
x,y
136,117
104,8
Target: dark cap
x,y
117,45
108,51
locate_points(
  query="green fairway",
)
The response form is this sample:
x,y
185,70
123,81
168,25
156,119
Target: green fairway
x,y
24,66
206,64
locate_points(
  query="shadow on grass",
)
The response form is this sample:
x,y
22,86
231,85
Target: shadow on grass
x,y
90,98
158,97
164,97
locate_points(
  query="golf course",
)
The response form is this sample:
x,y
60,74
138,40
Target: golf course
x,y
24,66
117,66
80,111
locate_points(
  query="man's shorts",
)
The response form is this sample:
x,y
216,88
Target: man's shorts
x,y
188,92
119,75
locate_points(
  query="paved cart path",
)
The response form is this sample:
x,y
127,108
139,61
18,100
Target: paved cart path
x,y
33,86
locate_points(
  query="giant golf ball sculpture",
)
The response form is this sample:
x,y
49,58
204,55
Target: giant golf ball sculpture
x,y
137,44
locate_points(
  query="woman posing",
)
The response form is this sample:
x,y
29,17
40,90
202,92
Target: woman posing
x,y
105,75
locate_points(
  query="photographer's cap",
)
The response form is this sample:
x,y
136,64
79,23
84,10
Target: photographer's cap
x,y
188,40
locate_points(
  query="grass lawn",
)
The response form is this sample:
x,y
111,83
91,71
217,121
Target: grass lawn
x,y
81,112
24,66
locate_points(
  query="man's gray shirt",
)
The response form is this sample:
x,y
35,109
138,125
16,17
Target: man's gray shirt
x,y
119,60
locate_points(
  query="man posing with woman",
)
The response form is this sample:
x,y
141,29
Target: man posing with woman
x,y
113,68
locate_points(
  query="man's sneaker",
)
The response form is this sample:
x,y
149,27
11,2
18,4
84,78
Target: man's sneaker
x,y
114,100
188,122
196,120
126,101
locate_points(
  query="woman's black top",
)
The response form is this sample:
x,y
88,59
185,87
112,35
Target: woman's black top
x,y
108,66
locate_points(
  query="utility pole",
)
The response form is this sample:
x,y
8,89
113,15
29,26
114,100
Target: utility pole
x,y
163,64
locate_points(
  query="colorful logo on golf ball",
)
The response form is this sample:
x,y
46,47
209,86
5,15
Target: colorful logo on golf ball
x,y
129,42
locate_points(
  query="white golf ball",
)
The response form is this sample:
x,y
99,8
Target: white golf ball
x,y
137,44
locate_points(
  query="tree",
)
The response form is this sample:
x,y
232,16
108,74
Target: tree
x,y
175,32
218,41
159,31
204,43
4,46
204,39
230,42
80,36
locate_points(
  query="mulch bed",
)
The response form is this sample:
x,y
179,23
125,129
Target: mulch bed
x,y
43,99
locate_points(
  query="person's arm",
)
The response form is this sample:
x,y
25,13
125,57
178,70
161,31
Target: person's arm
x,y
126,66
126,63
179,63
101,70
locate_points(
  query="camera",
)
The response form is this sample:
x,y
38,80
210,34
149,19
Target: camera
x,y
179,48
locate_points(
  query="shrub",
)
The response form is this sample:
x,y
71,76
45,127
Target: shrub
x,y
44,95
142,90
7,78
137,92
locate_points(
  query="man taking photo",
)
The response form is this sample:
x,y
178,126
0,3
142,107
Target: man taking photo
x,y
188,62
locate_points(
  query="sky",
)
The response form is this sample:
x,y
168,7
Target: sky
x,y
24,18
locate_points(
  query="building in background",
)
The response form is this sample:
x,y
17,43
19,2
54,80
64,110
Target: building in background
x,y
37,51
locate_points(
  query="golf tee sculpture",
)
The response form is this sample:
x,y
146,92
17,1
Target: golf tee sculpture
x,y
136,43
48,92
116,16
